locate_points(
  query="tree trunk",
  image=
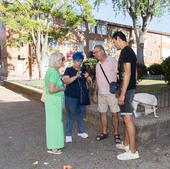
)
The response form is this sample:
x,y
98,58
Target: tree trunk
x,y
140,52
86,39
139,36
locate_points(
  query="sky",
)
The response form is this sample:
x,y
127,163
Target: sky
x,y
106,12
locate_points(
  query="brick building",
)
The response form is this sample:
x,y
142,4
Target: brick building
x,y
18,63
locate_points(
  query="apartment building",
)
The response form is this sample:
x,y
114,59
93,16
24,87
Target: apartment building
x,y
18,63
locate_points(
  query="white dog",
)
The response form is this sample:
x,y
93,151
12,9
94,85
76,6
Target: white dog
x,y
149,102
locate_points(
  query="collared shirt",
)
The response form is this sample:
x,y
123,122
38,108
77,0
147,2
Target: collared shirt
x,y
110,68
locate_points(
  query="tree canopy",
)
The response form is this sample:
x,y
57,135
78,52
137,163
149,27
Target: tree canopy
x,y
141,13
33,21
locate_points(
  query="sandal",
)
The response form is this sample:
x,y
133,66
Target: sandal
x,y
117,139
101,136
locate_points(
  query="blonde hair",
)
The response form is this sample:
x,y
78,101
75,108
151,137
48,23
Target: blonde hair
x,y
55,59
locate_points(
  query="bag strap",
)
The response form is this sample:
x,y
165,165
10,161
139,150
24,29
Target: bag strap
x,y
104,73
80,85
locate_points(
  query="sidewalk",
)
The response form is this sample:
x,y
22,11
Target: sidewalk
x,y
148,127
22,145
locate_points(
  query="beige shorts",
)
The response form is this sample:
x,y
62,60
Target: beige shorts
x,y
108,100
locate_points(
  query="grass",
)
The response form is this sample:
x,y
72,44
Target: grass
x,y
34,83
152,86
152,82
144,86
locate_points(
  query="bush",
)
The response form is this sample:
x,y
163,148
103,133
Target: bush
x,y
142,71
155,69
90,65
166,68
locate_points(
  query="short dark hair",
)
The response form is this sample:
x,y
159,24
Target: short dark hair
x,y
119,34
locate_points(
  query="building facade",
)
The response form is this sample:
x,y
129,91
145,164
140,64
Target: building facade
x,y
19,63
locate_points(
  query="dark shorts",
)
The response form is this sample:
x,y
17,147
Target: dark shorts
x,y
127,108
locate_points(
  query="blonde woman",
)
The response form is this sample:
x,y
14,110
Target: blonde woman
x,y
53,104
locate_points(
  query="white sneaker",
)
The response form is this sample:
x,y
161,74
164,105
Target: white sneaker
x,y
128,156
122,146
83,135
68,139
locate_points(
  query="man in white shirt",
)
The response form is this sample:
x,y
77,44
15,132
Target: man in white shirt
x,y
102,94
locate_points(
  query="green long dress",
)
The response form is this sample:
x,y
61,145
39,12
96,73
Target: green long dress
x,y
53,109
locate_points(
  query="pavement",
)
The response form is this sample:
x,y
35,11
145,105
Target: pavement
x,y
22,142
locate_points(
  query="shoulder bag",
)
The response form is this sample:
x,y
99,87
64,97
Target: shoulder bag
x,y
113,86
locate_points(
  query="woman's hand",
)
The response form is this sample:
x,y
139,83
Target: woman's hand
x,y
86,75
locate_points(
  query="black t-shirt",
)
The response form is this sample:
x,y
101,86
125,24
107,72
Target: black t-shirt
x,y
73,89
127,55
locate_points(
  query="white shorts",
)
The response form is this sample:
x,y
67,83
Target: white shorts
x,y
108,100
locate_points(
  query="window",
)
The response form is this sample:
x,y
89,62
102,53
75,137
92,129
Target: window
x,y
150,53
82,27
114,30
23,52
52,43
91,29
68,46
80,46
102,29
92,43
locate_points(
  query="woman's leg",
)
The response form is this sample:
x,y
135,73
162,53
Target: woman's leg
x,y
71,106
80,116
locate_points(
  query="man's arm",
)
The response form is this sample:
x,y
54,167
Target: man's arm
x,y
95,92
125,83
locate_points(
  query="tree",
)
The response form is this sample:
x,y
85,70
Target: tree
x,y
86,20
33,21
141,13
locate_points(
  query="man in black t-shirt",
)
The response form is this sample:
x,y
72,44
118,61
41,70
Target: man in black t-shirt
x,y
127,78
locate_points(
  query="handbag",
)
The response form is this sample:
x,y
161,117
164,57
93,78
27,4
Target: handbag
x,y
84,93
113,86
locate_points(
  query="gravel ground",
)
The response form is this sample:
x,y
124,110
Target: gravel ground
x,y
22,145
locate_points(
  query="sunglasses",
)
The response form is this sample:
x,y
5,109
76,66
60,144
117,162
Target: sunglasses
x,y
79,60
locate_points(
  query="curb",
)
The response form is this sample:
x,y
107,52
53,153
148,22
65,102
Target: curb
x,y
28,91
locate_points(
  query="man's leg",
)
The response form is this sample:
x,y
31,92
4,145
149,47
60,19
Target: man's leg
x,y
103,122
130,132
115,123
102,106
126,136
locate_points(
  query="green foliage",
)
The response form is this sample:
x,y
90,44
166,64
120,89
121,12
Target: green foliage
x,y
166,68
32,21
141,71
141,12
155,69
35,18
90,62
90,65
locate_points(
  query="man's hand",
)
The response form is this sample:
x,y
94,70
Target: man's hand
x,y
121,99
95,100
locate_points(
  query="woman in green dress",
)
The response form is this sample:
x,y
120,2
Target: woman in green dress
x,y
53,104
